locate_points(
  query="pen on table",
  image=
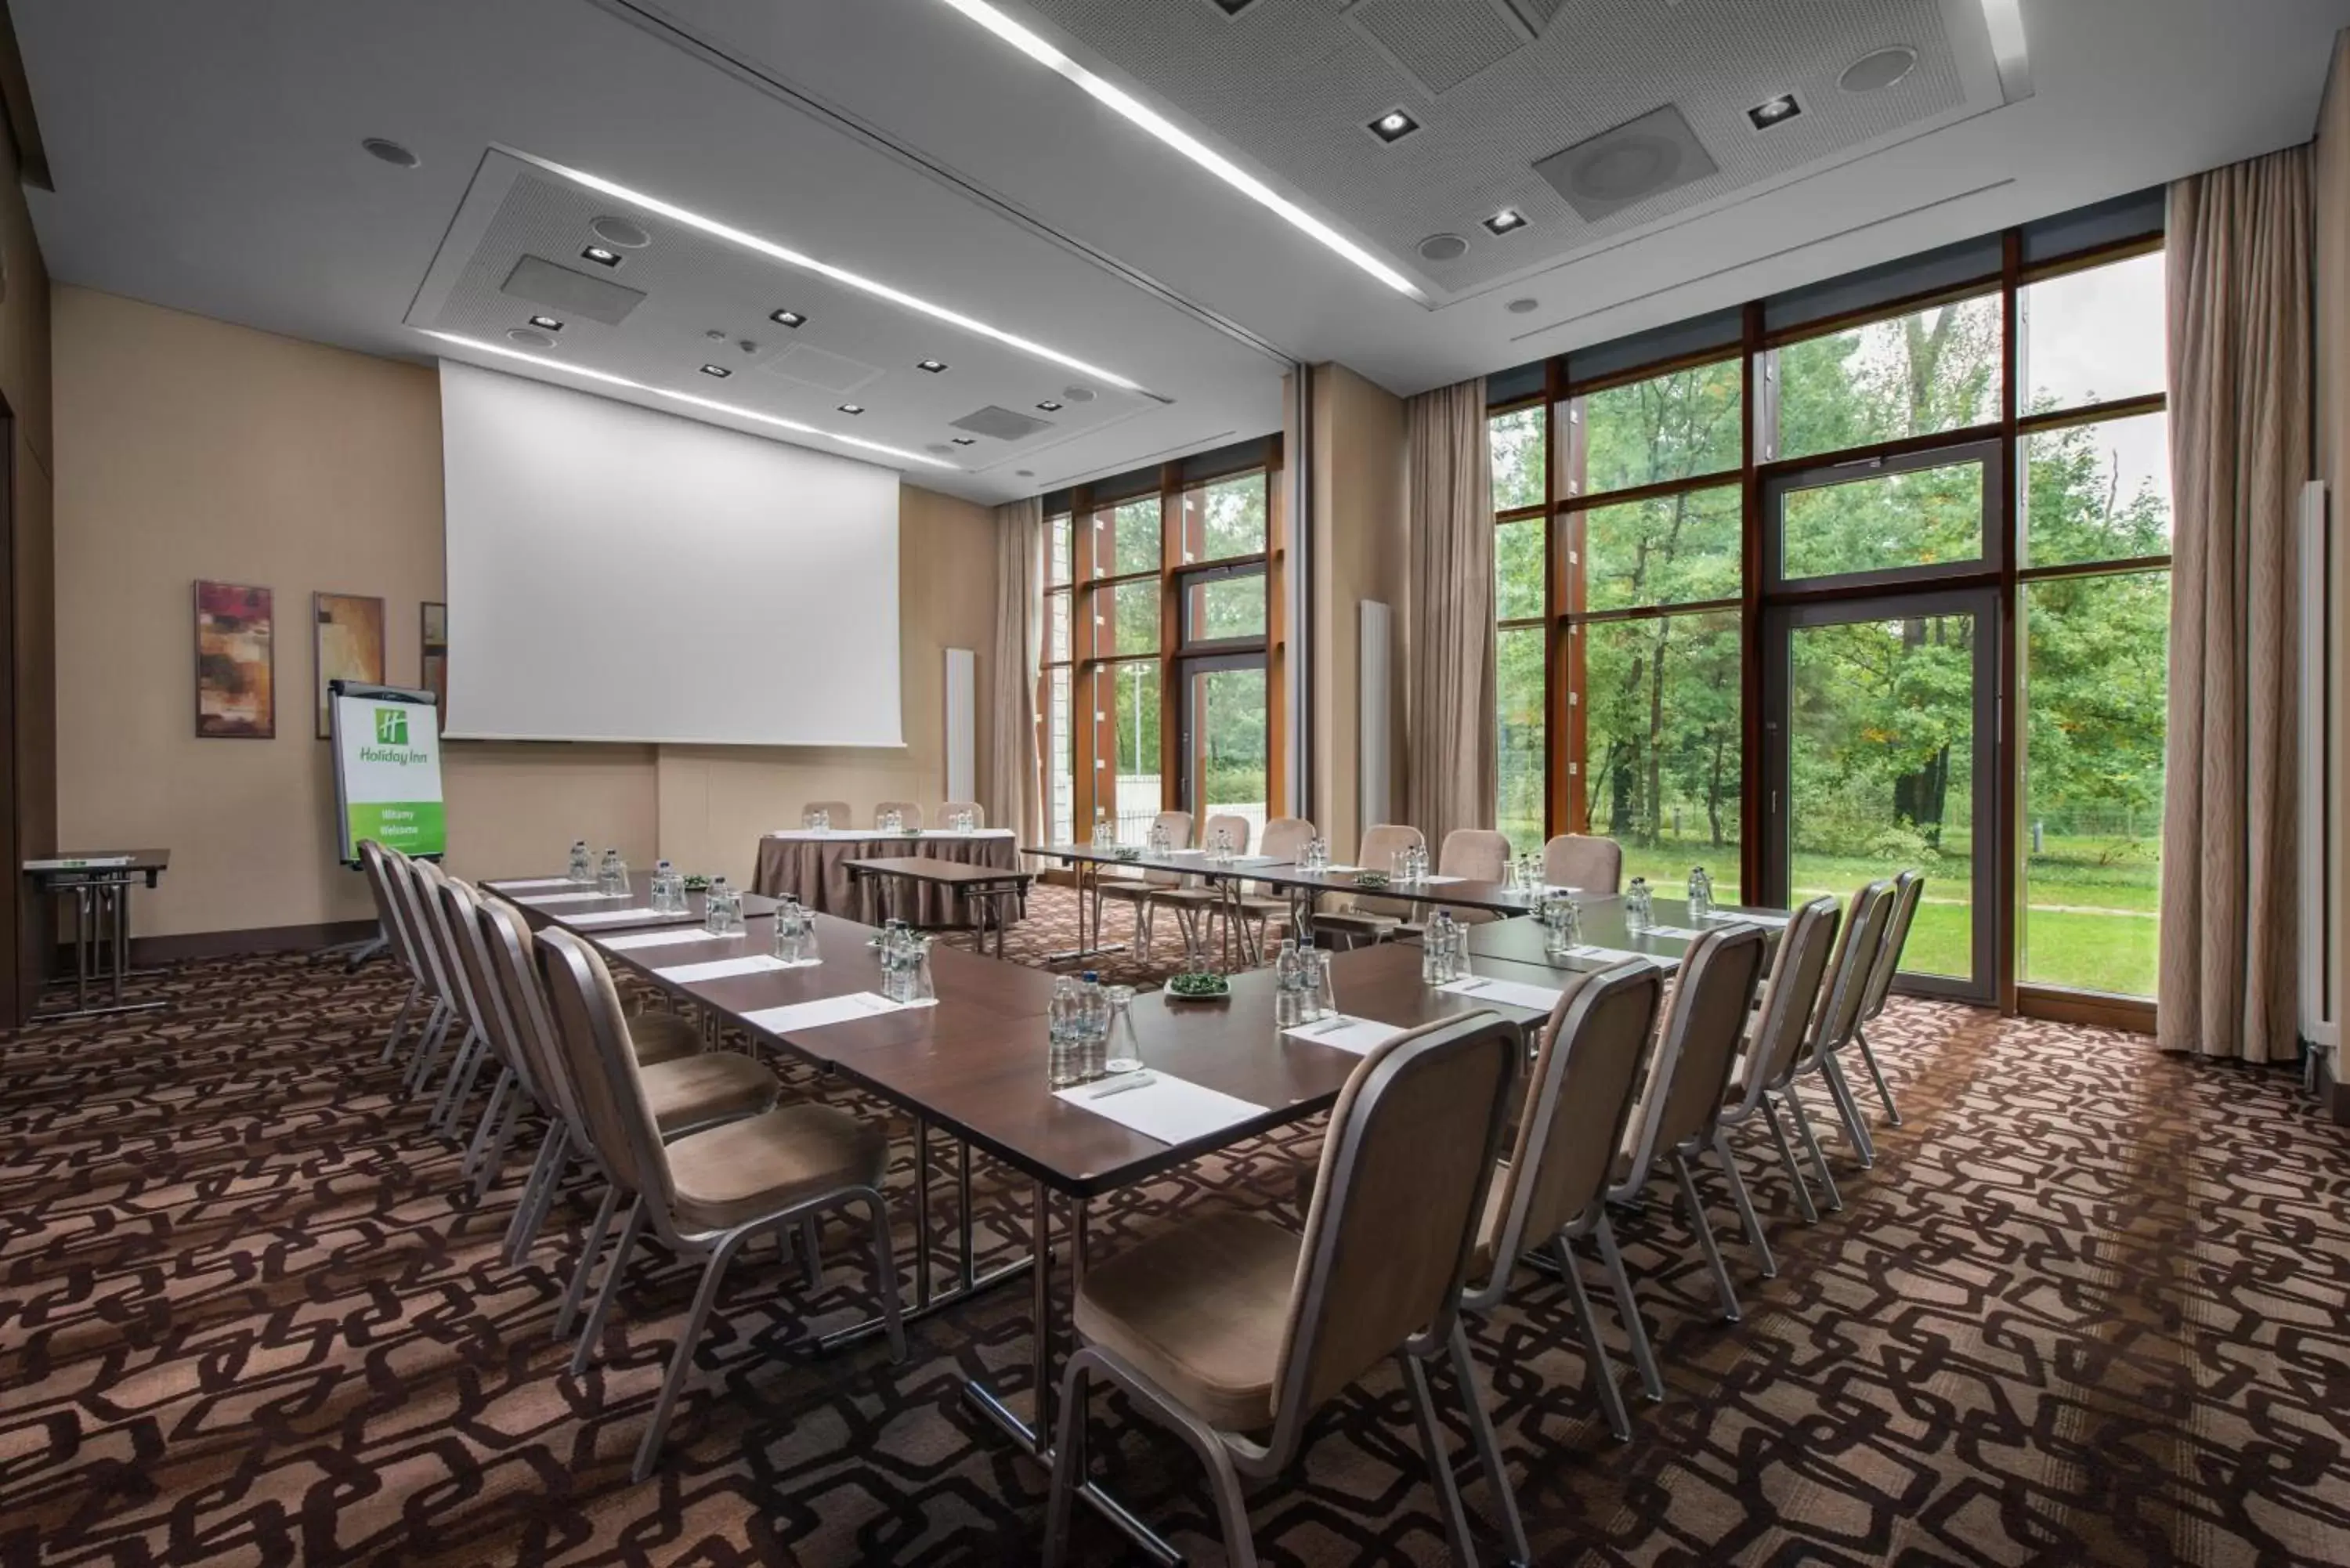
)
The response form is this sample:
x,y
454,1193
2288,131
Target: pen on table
x,y
1132,1081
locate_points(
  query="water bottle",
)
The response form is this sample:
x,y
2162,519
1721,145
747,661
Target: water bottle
x,y
659,895
819,821
1436,949
1161,841
791,934
1061,1024
1562,918
1101,829
1640,904
583,868
1093,1010
612,876
1223,847
1289,997
1701,895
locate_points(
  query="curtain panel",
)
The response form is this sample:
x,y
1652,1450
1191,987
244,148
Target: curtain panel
x,y
2239,324
1450,778
1014,784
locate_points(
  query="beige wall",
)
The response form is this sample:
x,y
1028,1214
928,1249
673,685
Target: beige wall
x,y
2332,360
1359,553
197,448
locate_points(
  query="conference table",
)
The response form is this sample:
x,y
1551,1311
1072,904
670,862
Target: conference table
x,y
810,865
576,907
978,891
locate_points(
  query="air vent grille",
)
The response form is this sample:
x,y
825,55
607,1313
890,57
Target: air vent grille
x,y
1003,425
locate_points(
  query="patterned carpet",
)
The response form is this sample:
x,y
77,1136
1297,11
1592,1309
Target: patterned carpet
x,y
2088,1308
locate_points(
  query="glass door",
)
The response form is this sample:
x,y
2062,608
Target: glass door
x,y
1882,731
1224,738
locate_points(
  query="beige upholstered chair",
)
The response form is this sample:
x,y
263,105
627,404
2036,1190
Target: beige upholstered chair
x,y
1552,1190
1193,901
392,919
947,810
1228,1324
1474,854
1358,916
474,1044
410,883
1680,1104
836,812
1776,1036
1866,918
705,1194
1908,887
1586,864
515,1088
908,813
1137,887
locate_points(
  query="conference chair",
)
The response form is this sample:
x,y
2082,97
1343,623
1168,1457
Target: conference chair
x,y
704,1195
1552,1190
1776,1038
908,813
390,921
424,878
1908,887
514,1089
1359,917
409,884
1284,839
1227,1323
1867,918
836,812
1680,1103
1137,888
1194,901
947,810
1586,863
1474,855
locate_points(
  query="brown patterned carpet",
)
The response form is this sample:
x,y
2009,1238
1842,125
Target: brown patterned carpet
x,y
2088,1308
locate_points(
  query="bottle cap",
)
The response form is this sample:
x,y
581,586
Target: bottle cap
x,y
1092,977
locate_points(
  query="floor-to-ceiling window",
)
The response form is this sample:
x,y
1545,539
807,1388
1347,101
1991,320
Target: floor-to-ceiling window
x,y
1054,697
1167,595
1867,575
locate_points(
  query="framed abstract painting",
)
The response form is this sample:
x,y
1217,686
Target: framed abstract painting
x,y
347,632
433,639
236,663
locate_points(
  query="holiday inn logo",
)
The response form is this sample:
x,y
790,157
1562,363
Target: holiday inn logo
x,y
391,741
390,727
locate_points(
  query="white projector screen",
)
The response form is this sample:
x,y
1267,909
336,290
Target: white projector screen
x,y
620,575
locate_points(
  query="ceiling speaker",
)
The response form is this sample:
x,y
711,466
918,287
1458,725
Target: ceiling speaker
x,y
1871,73
1003,423
1443,248
1640,158
529,338
619,232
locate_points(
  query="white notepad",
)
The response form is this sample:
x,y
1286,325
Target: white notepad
x,y
1360,1036
563,898
1431,881
1517,994
828,1010
1726,919
719,969
1617,955
659,940
643,917
1679,933
538,882
1172,1110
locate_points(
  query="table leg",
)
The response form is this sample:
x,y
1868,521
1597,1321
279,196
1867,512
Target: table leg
x,y
1089,942
82,934
970,1283
922,1213
120,900
962,1209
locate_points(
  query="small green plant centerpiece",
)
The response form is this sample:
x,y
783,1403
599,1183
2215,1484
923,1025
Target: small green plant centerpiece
x,y
1199,985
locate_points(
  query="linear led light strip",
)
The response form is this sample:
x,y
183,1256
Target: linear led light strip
x,y
839,275
1182,141
710,403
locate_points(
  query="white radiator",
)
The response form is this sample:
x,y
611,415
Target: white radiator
x,y
1375,737
963,725
2320,1011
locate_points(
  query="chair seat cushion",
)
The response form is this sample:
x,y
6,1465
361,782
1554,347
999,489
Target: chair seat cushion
x,y
707,1086
662,1036
764,1164
1199,1310
1358,920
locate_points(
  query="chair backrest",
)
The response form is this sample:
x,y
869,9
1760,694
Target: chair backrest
x,y
1585,863
1907,888
592,1032
1376,851
1285,838
1577,1101
908,813
1866,918
1480,854
515,970
374,858
947,810
410,885
1178,824
1699,1043
1228,822
1402,1185
836,812
486,1001
1791,996
442,958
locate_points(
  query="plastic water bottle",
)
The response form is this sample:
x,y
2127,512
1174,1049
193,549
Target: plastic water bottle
x,y
1101,827
659,898
1562,918
1061,1025
1436,949
612,876
583,868
1288,993
791,932
1093,1050
1640,904
721,914
1701,895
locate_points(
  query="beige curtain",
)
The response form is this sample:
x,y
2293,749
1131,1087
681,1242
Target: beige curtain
x,y
1451,775
1015,793
2239,332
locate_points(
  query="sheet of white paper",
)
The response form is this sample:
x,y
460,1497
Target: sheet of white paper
x,y
1727,919
1679,933
77,863
1172,1110
1617,955
1431,880
660,939
536,882
1348,869
828,1010
545,899
1360,1036
1517,994
648,916
1256,860
719,969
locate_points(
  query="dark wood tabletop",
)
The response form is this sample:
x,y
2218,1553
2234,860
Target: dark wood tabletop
x,y
930,869
1604,926
641,894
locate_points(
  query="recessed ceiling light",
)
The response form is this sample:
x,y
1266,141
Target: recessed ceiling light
x,y
935,366
391,152
852,408
1773,111
1393,125
721,371
1117,99
1049,406
966,441
1232,7
547,324
1522,306
839,275
731,410
1874,72
600,256
1503,222
788,318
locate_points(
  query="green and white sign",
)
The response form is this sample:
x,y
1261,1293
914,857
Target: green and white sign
x,y
387,766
